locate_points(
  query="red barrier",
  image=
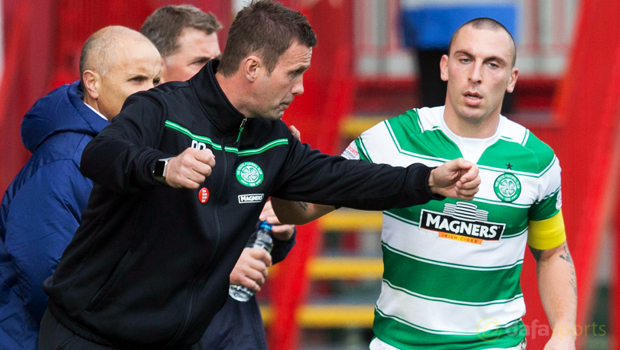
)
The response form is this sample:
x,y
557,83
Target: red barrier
x,y
79,19
43,49
587,116
13,153
328,97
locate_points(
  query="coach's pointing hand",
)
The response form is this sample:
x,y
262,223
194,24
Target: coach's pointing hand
x,y
457,178
190,168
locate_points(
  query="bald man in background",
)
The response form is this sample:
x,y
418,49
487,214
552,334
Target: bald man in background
x,y
41,209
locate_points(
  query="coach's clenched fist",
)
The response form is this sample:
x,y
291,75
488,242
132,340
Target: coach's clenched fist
x,y
457,178
190,168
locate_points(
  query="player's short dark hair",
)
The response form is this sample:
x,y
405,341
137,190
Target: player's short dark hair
x,y
164,26
486,23
266,28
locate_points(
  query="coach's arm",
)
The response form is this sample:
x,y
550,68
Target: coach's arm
x,y
456,178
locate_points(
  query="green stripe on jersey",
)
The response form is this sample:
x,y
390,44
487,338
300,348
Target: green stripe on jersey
x,y
405,335
361,150
515,218
528,156
521,159
543,152
208,141
546,208
431,144
471,286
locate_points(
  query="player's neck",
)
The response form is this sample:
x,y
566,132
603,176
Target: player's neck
x,y
471,127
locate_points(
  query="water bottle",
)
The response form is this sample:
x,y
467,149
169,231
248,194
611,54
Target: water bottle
x,y
260,239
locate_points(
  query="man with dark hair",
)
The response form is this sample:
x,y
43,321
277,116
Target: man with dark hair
x,y
186,38
452,269
249,34
41,208
149,266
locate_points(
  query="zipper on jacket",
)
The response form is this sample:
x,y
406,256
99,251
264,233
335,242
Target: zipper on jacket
x,y
218,230
240,131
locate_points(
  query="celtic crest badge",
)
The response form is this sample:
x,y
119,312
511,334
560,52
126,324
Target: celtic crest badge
x,y
507,187
249,174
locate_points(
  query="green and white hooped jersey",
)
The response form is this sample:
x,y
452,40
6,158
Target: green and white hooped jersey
x,y
452,268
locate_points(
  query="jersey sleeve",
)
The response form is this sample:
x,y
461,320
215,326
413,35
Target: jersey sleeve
x,y
373,145
352,152
546,223
549,200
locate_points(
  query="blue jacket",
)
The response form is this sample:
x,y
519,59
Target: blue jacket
x,y
429,24
41,208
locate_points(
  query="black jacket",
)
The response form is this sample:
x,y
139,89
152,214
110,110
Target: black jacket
x,y
149,266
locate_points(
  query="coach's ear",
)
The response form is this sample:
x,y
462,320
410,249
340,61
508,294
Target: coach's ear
x,y
253,67
91,81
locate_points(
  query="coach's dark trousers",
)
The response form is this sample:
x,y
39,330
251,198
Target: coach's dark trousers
x,y
54,336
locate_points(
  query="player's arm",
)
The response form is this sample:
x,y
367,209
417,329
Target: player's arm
x,y
299,213
295,213
557,283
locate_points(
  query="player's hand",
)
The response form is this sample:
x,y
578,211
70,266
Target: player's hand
x,y
190,168
251,269
293,130
564,340
279,231
457,178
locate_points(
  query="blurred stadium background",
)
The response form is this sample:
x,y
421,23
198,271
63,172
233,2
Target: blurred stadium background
x,y
322,296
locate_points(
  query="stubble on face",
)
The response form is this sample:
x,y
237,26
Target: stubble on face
x,y
195,49
284,82
479,71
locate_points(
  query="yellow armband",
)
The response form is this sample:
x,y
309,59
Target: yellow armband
x,y
547,234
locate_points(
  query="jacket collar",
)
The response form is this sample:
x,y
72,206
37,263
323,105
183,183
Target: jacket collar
x,y
214,102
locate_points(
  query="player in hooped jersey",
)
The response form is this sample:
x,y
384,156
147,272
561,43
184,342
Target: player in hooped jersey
x,y
452,268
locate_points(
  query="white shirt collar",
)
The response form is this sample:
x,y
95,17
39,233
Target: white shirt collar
x,y
94,110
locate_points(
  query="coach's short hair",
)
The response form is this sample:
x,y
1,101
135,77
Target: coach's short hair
x,y
164,26
266,28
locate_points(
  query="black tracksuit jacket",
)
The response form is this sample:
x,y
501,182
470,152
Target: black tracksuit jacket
x,y
149,266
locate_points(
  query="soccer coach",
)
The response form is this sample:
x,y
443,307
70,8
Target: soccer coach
x,y
149,266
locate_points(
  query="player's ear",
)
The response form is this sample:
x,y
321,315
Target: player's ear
x,y
514,74
443,66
